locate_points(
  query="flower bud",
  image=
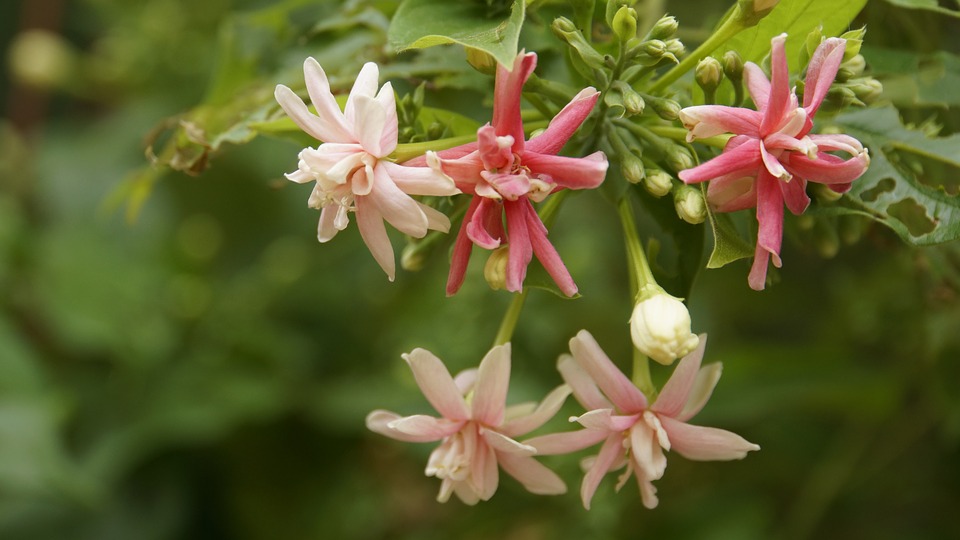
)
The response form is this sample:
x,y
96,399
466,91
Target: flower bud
x,y
689,204
750,12
810,44
733,66
567,31
679,158
667,109
495,270
481,61
664,29
658,182
675,48
851,68
823,193
631,167
709,74
660,328
867,89
413,258
854,40
625,23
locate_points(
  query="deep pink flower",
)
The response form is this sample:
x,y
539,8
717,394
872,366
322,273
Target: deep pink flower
x,y
506,174
633,432
772,157
476,429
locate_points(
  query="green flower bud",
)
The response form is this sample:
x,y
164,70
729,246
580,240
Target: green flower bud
x,y
854,41
867,89
689,204
708,75
810,44
658,182
567,31
679,158
733,66
625,97
413,258
631,167
749,12
851,68
675,48
667,109
823,193
625,23
664,29
613,7
495,270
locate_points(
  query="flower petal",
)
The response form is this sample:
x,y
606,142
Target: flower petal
x,y
364,86
732,192
757,84
758,270
743,160
485,474
565,123
436,220
465,380
821,71
708,120
490,390
505,445
779,99
795,195
572,173
829,169
297,110
769,214
495,152
420,180
328,227
611,380
773,165
611,450
544,411
388,136
676,391
705,443
584,388
370,120
707,378
374,234
645,448
605,420
437,385
395,206
520,251
547,254
534,476
425,428
462,247
506,97
566,442
318,87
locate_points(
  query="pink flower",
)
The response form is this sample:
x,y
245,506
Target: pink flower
x,y
772,157
477,430
350,168
505,173
634,433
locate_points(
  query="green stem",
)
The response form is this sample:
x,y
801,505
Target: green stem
x,y
730,27
411,150
641,279
641,375
680,135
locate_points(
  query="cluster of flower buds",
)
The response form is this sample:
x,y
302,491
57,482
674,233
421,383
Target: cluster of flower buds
x,y
852,87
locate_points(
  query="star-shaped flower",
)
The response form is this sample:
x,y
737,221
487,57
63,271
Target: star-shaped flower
x,y
772,157
635,433
476,429
351,167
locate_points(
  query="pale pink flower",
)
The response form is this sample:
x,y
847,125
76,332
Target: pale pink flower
x,y
634,433
476,429
772,157
351,169
506,173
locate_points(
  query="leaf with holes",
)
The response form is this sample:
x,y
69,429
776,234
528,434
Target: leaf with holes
x,y
906,185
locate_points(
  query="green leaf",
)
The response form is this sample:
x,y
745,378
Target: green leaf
x,y
419,24
898,188
929,5
797,18
728,244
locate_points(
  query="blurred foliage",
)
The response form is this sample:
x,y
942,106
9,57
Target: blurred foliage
x,y
204,371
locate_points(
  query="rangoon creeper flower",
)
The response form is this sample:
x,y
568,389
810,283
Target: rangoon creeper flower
x,y
351,169
635,433
506,174
476,429
660,328
772,157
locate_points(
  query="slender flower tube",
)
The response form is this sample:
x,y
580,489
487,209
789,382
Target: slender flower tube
x,y
506,174
477,431
773,155
351,169
635,433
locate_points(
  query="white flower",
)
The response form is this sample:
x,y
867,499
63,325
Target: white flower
x,y
350,168
660,328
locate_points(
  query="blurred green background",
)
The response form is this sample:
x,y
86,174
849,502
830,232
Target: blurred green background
x,y
203,371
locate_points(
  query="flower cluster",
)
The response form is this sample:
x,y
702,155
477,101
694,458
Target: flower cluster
x,y
477,432
773,155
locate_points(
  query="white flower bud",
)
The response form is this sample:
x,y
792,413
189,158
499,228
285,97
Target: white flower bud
x,y
660,328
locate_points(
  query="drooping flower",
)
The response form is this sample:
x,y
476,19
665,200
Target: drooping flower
x,y
506,173
773,155
635,433
351,169
476,429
